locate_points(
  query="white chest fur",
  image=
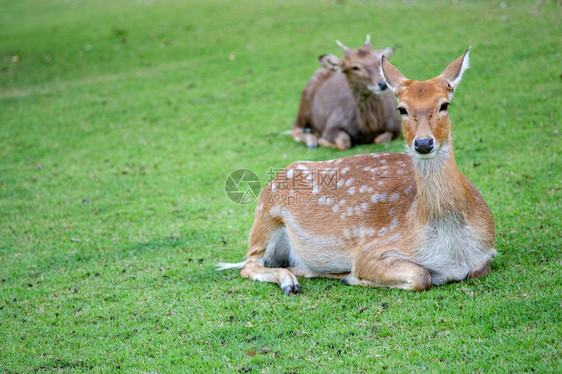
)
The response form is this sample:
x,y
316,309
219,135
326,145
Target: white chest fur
x,y
449,250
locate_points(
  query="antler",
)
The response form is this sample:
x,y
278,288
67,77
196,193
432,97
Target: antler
x,y
368,42
345,49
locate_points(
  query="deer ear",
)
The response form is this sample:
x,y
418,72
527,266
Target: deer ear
x,y
453,73
387,52
330,62
393,77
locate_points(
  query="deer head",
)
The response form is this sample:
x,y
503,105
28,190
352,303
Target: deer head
x,y
361,67
423,106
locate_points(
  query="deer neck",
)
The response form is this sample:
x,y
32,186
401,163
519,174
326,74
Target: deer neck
x,y
442,190
369,110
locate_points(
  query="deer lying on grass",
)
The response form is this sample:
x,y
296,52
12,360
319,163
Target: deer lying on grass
x,y
346,102
391,220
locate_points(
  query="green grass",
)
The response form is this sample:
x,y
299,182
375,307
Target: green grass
x,y
120,122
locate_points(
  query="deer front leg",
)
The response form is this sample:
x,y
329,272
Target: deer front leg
x,y
340,140
283,277
306,135
326,143
390,272
385,137
298,134
301,272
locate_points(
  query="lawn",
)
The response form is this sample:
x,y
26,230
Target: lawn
x,y
121,120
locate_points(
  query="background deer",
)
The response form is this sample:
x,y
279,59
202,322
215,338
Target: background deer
x,y
346,101
391,220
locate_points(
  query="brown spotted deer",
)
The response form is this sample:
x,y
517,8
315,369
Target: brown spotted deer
x,y
391,220
346,101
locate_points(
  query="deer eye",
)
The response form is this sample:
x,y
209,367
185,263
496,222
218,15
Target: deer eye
x,y
444,107
355,68
402,110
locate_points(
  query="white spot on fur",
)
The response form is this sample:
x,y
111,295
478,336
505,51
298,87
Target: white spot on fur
x,y
346,232
336,208
344,170
349,182
381,183
383,242
394,196
351,191
364,206
290,173
340,182
349,211
383,231
379,197
315,188
400,172
383,161
342,202
394,224
362,189
394,238
371,232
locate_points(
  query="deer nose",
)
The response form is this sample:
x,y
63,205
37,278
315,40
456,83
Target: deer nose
x,y
424,145
382,85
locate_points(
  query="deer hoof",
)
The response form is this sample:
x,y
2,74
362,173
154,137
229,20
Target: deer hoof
x,y
349,280
292,289
311,140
